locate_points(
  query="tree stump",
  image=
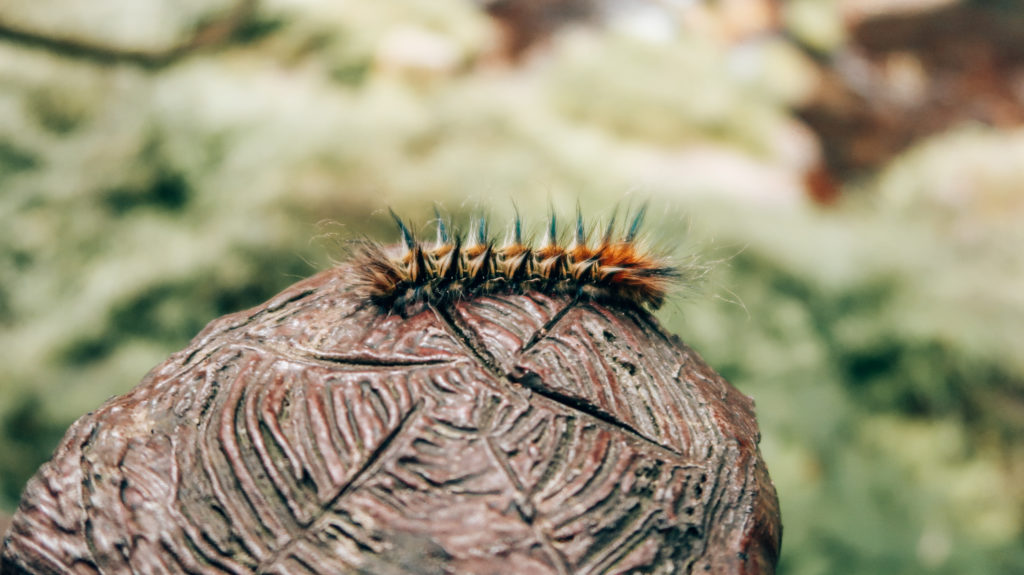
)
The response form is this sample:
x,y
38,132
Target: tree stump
x,y
502,434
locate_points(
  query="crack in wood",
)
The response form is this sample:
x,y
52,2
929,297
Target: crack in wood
x,y
369,468
533,382
485,359
298,353
547,327
526,509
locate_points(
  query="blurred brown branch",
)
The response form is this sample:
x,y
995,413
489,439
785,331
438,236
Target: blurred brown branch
x,y
213,33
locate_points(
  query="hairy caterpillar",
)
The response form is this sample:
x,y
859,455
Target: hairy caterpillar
x,y
615,270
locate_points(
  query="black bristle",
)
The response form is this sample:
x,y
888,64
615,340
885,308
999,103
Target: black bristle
x,y
442,229
581,233
407,237
608,232
637,220
517,225
481,230
552,237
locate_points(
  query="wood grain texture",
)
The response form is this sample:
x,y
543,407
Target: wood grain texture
x,y
314,434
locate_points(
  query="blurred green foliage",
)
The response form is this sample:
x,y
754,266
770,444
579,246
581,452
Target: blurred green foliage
x,y
887,382
880,338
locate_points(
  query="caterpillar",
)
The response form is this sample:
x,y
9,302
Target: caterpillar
x,y
614,270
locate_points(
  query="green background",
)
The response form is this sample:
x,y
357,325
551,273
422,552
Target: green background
x,y
882,337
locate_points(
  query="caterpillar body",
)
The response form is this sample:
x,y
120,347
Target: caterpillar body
x,y
614,270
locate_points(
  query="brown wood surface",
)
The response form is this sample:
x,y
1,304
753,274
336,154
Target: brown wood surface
x,y
314,434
